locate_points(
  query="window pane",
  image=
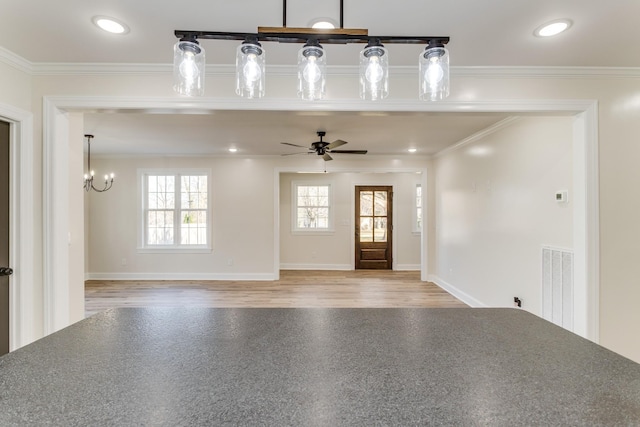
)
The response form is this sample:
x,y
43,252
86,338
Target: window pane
x,y
366,203
380,203
380,231
193,227
160,228
312,206
193,222
307,217
152,200
366,229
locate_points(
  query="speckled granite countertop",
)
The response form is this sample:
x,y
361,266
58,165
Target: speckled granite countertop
x,y
307,367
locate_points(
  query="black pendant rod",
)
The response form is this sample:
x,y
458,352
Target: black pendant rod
x,y
89,153
341,13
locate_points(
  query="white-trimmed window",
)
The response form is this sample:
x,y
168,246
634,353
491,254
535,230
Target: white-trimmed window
x,y
176,212
311,203
417,224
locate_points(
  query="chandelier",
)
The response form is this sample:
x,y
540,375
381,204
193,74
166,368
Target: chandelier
x,y
189,60
88,177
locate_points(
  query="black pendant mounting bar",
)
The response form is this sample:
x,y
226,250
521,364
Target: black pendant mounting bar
x,y
302,35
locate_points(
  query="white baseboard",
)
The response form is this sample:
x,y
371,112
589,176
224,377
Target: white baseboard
x,y
407,267
181,276
461,295
286,266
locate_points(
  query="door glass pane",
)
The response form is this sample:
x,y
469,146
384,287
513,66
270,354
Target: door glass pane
x,y
381,203
366,229
366,203
380,231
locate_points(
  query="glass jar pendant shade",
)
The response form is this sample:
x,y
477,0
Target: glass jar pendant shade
x,y
188,68
374,72
433,73
250,70
312,71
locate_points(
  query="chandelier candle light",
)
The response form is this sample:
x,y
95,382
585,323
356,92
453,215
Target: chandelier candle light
x,y
88,177
189,63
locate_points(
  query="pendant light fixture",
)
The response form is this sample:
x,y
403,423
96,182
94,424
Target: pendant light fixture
x,y
433,67
433,74
88,177
374,71
312,70
188,67
250,64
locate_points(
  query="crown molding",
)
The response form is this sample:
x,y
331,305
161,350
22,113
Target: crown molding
x,y
547,72
98,68
341,70
15,61
478,135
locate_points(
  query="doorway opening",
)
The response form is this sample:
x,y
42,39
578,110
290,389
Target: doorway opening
x,y
585,174
5,270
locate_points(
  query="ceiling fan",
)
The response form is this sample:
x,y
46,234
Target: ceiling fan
x,y
323,148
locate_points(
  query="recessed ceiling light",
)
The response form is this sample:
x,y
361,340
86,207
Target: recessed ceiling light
x,y
412,150
233,150
110,25
323,24
552,28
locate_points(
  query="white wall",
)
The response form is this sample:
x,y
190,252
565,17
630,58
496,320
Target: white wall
x,y
335,250
242,212
15,86
495,208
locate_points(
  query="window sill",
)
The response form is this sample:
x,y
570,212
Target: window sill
x,y
327,232
174,250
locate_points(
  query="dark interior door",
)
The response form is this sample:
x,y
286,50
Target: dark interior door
x,y
4,237
374,226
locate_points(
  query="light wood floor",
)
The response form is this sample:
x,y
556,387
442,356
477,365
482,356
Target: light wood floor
x,y
362,288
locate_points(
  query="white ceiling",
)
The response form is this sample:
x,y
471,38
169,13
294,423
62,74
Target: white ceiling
x,y
491,33
483,32
262,132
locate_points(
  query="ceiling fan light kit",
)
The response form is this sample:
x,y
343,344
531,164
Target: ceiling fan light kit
x,y
324,148
189,60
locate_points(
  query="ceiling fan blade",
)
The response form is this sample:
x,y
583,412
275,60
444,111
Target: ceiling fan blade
x,y
336,143
293,154
350,151
293,145
327,157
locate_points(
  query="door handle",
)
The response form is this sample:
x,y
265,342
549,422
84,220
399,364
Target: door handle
x,y
6,271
